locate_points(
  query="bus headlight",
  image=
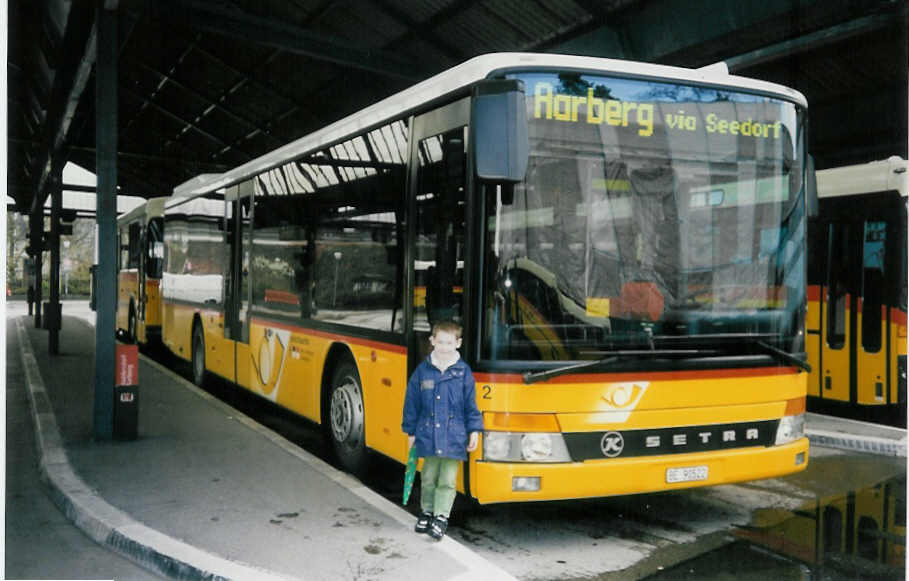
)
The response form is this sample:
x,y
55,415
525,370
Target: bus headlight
x,y
496,446
536,447
524,447
791,428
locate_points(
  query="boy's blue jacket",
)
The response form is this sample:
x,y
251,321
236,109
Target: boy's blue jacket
x,y
440,409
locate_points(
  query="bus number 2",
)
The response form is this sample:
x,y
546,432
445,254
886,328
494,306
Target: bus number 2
x,y
487,392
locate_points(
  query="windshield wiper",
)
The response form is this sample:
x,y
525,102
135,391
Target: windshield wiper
x,y
783,356
756,339
535,376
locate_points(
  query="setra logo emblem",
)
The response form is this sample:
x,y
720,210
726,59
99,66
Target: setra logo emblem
x,y
612,444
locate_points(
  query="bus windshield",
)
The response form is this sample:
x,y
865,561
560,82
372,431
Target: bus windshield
x,y
649,210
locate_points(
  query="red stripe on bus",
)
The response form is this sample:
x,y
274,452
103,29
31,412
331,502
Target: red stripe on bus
x,y
334,336
645,375
193,308
898,316
277,296
813,292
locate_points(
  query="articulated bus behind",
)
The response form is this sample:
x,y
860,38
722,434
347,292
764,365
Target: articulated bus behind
x,y
857,292
141,239
623,243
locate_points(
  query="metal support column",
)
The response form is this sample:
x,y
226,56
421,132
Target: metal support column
x,y
53,315
36,242
106,164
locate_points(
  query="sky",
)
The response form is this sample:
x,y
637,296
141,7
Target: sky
x,y
73,174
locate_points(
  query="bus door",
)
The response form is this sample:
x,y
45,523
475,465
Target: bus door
x,y
238,217
839,310
151,269
856,346
438,187
141,294
872,345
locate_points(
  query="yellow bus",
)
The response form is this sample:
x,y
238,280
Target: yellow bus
x,y
628,333
140,262
857,292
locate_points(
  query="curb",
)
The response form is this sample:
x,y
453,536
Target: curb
x,y
855,435
102,522
867,444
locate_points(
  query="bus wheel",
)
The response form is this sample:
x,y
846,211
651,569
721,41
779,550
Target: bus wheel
x,y
347,418
131,324
198,355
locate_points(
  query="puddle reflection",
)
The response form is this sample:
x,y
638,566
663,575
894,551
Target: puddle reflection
x,y
860,534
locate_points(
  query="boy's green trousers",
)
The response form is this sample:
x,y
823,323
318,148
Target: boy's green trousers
x,y
437,485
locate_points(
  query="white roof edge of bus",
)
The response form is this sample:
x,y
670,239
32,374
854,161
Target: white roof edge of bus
x,y
875,176
152,207
463,75
195,205
720,68
190,186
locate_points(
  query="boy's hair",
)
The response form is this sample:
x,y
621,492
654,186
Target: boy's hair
x,y
448,327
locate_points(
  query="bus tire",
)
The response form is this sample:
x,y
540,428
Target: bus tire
x,y
131,323
198,355
346,418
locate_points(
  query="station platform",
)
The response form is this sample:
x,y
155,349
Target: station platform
x,y
855,436
206,493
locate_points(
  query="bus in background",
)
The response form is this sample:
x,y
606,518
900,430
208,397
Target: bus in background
x,y
628,332
140,263
857,292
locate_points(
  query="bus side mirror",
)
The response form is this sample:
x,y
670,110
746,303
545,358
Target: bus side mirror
x,y
811,200
499,122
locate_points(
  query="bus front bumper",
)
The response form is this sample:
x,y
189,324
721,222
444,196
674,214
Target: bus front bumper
x,y
496,481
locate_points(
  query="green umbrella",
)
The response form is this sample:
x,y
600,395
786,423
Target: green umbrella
x,y
410,473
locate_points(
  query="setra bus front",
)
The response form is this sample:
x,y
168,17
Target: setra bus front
x,y
641,322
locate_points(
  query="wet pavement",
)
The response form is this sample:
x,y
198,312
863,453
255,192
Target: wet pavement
x,y
40,543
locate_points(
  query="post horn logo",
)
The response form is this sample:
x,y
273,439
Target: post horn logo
x,y
624,395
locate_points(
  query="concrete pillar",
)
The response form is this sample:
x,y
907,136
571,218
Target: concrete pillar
x,y
106,167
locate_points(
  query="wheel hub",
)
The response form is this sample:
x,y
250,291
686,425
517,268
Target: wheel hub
x,y
346,412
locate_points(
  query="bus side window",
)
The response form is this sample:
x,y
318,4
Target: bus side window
x,y
873,255
124,249
134,245
868,535
833,530
440,225
837,278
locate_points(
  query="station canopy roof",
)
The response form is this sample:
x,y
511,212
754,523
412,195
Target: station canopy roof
x,y
207,85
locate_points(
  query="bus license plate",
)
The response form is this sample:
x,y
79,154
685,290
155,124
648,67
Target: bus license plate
x,y
689,474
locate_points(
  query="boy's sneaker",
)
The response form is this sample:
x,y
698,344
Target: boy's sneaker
x,y
423,522
438,527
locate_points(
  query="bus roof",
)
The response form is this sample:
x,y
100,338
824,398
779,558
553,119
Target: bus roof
x,y
462,76
865,178
152,208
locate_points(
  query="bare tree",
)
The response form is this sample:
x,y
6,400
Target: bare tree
x,y
16,241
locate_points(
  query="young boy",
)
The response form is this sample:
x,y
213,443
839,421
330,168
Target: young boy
x,y
440,410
